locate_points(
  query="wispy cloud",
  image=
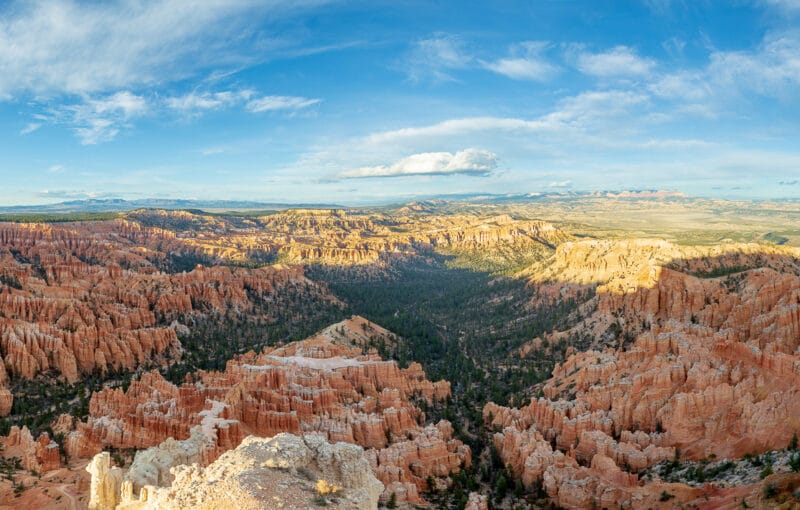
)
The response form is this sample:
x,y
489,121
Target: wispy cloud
x,y
194,101
100,120
788,5
435,58
469,161
560,184
772,69
45,46
56,169
456,127
61,194
273,103
687,85
90,65
30,128
572,112
525,62
620,61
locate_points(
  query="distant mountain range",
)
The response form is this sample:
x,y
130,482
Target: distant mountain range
x,y
121,205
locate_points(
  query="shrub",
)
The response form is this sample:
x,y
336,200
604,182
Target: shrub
x,y
324,487
794,462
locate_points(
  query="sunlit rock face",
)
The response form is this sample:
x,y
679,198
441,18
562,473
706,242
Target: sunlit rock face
x,y
712,369
345,238
324,385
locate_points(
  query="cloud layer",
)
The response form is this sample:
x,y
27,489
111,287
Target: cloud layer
x,y
469,161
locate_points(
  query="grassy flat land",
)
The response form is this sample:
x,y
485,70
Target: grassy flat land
x,y
683,221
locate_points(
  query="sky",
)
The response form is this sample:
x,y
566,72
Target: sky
x,y
384,101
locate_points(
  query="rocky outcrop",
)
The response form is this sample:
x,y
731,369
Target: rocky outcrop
x,y
106,484
323,385
712,369
40,455
477,502
285,471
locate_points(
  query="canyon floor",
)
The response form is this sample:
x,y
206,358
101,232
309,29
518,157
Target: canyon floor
x,y
608,351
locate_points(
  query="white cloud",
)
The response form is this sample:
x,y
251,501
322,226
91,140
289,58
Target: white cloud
x,y
100,120
272,103
434,58
199,101
48,48
571,112
207,100
620,61
469,161
525,63
588,107
789,5
686,85
772,70
456,127
70,194
123,103
30,128
56,169
560,184
87,63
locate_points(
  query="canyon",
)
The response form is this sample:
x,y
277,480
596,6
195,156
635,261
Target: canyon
x,y
609,371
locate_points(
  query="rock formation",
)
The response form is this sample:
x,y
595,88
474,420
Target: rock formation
x,y
82,298
712,370
285,471
344,238
325,385
40,455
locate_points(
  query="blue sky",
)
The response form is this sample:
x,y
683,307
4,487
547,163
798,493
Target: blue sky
x,y
366,102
